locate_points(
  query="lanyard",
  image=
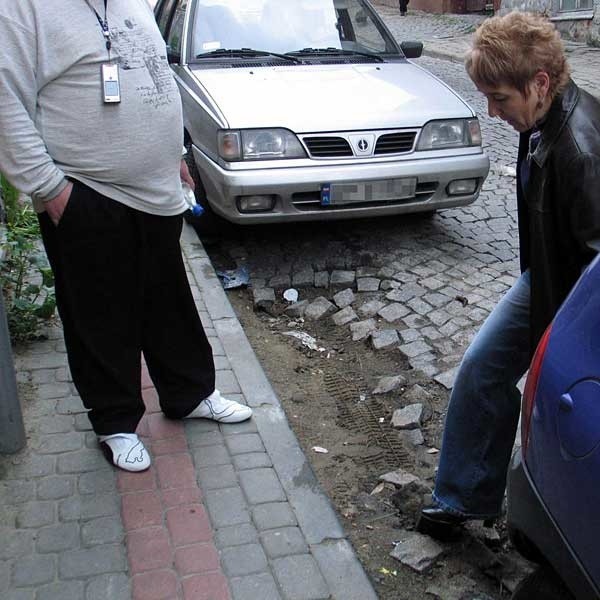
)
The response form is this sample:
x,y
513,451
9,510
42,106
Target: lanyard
x,y
103,24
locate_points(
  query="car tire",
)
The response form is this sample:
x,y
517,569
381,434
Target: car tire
x,y
209,226
524,546
542,584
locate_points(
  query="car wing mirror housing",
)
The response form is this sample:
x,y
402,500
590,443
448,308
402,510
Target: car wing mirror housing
x,y
412,49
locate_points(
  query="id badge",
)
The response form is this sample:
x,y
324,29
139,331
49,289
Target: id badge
x,y
111,88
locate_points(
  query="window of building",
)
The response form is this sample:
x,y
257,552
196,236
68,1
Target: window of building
x,y
568,5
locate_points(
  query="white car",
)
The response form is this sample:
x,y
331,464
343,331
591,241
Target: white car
x,y
300,110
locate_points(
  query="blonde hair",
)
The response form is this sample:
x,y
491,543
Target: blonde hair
x,y
510,50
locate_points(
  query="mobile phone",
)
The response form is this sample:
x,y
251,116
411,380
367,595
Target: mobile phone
x,y
111,87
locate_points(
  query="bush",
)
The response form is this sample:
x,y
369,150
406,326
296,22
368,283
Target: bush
x,y
26,279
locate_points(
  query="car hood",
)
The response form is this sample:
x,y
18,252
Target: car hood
x,y
317,98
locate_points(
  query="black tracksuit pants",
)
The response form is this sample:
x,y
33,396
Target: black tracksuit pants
x,y
403,6
122,289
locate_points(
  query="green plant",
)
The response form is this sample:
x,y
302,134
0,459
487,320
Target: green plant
x,y
26,278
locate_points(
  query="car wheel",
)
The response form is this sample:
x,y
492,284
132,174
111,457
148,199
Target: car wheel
x,y
542,584
524,546
209,226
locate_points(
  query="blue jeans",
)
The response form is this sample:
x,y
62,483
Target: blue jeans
x,y
483,413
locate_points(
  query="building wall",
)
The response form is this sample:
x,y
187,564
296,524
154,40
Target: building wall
x,y
433,6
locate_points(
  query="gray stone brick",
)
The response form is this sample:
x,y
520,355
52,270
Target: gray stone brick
x,y
299,578
248,426
321,279
41,408
61,442
82,423
344,316
43,376
303,278
297,309
55,424
89,507
53,390
227,383
115,586
36,514
242,444
4,575
34,570
236,535
58,538
97,482
318,308
34,465
341,278
252,587
243,560
19,595
273,515
205,438
107,530
415,348
393,312
384,338
362,329
62,590
216,346
367,284
210,456
16,492
15,542
71,405
344,298
82,461
253,460
283,542
227,507
212,478
261,485
92,561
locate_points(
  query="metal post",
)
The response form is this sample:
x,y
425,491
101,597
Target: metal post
x,y
12,430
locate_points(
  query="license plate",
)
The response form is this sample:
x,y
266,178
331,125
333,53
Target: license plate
x,y
368,191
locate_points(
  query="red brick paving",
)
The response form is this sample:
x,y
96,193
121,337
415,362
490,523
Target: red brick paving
x,y
169,538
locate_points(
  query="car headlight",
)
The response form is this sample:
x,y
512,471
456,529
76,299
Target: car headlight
x,y
258,144
455,133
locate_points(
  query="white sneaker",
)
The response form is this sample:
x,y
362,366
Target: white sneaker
x,y
220,409
126,451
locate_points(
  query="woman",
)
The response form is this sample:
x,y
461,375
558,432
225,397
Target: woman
x,y
518,63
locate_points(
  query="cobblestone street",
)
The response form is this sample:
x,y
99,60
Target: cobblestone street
x,y
450,269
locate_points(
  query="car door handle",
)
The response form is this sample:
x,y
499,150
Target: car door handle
x,y
566,403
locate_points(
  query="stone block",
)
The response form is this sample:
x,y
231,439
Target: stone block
x,y
344,316
283,542
342,278
30,571
321,279
243,560
251,587
299,578
370,308
227,507
253,460
214,478
108,530
389,384
297,309
58,538
344,298
261,485
273,515
392,312
242,444
399,478
362,329
61,590
367,284
236,535
408,417
263,298
98,560
384,338
318,308
417,551
112,586
303,278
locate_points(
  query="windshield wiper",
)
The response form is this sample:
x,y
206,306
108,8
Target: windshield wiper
x,y
333,52
244,53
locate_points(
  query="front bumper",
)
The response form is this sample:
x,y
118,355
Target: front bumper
x,y
528,517
297,189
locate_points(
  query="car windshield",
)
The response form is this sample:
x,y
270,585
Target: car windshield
x,y
307,27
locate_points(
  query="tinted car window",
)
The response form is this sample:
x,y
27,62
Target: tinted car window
x,y
287,26
175,35
164,15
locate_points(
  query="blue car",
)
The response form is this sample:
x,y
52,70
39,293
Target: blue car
x,y
554,479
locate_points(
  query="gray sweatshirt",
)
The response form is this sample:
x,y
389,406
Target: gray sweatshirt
x,y
53,121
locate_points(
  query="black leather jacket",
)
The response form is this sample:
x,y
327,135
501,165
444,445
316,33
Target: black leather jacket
x,y
560,214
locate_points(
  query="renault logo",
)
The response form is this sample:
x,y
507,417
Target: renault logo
x,y
363,145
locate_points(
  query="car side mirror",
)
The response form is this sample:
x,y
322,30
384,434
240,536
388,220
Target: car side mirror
x,y
172,56
412,49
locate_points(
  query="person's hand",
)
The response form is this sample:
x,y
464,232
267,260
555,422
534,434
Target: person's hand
x,y
56,207
184,173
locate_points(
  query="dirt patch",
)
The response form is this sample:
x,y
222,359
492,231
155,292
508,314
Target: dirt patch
x,y
328,397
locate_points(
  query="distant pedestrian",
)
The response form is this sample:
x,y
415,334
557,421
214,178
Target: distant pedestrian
x,y
91,129
403,7
518,63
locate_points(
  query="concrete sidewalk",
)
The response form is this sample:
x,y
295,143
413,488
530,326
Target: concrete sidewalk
x,y
226,511
450,36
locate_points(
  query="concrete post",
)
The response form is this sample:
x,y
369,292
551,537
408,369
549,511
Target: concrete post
x,y
12,430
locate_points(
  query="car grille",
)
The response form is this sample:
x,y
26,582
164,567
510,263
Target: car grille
x,y
327,147
394,143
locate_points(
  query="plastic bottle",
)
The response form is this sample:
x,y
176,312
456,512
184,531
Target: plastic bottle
x,y
190,198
